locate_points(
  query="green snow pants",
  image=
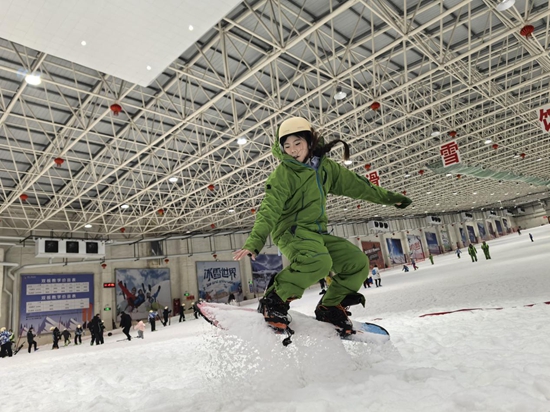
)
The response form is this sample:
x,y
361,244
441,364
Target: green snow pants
x,y
312,256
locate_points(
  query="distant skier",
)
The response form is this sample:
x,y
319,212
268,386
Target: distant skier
x,y
323,284
182,312
66,336
195,309
140,327
413,263
405,268
458,252
30,339
152,319
485,248
376,276
531,237
165,314
56,335
368,281
5,343
78,332
126,324
472,251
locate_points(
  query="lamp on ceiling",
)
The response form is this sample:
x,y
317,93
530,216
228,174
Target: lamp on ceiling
x,y
505,4
340,95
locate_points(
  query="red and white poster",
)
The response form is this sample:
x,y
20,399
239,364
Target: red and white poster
x,y
450,155
415,247
374,253
544,118
374,177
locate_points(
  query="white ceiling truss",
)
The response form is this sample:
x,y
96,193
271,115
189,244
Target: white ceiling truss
x,y
451,65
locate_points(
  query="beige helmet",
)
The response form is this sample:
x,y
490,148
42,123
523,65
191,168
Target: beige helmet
x,y
2,329
79,326
166,307
151,311
293,125
52,328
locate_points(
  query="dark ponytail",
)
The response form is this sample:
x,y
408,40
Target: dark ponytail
x,y
321,151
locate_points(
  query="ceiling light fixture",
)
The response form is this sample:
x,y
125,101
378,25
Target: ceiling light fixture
x,y
448,175
33,79
231,210
148,67
435,133
83,42
88,226
488,141
348,162
191,27
125,206
173,179
340,95
505,5
407,174
241,141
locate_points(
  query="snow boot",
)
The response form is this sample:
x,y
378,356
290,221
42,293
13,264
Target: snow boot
x,y
275,312
337,315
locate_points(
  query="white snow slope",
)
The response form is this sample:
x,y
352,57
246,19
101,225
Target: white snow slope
x,y
485,360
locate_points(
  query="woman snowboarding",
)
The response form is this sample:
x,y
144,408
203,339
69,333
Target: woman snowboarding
x,y
293,211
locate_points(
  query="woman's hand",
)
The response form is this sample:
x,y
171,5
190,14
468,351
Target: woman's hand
x,y
239,254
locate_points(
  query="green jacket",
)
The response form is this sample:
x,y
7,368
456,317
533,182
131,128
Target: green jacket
x,y
484,247
296,196
472,250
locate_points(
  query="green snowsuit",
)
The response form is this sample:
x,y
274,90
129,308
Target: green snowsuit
x,y
472,251
294,212
485,248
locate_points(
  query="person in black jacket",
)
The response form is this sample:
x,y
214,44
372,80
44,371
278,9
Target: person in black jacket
x,y
67,336
165,313
182,312
126,324
96,330
30,339
56,336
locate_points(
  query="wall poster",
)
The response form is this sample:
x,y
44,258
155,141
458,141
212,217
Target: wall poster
x,y
140,290
64,301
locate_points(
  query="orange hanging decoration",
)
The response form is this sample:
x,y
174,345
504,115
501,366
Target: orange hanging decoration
x,y
122,230
458,176
358,206
215,256
116,108
495,146
375,106
404,192
166,260
213,226
452,133
161,212
211,187
527,31
104,265
421,172
367,166
252,211
58,161
23,197
522,155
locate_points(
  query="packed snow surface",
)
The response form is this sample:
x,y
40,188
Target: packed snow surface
x,y
482,360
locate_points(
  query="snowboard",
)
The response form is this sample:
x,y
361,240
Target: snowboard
x,y
234,318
